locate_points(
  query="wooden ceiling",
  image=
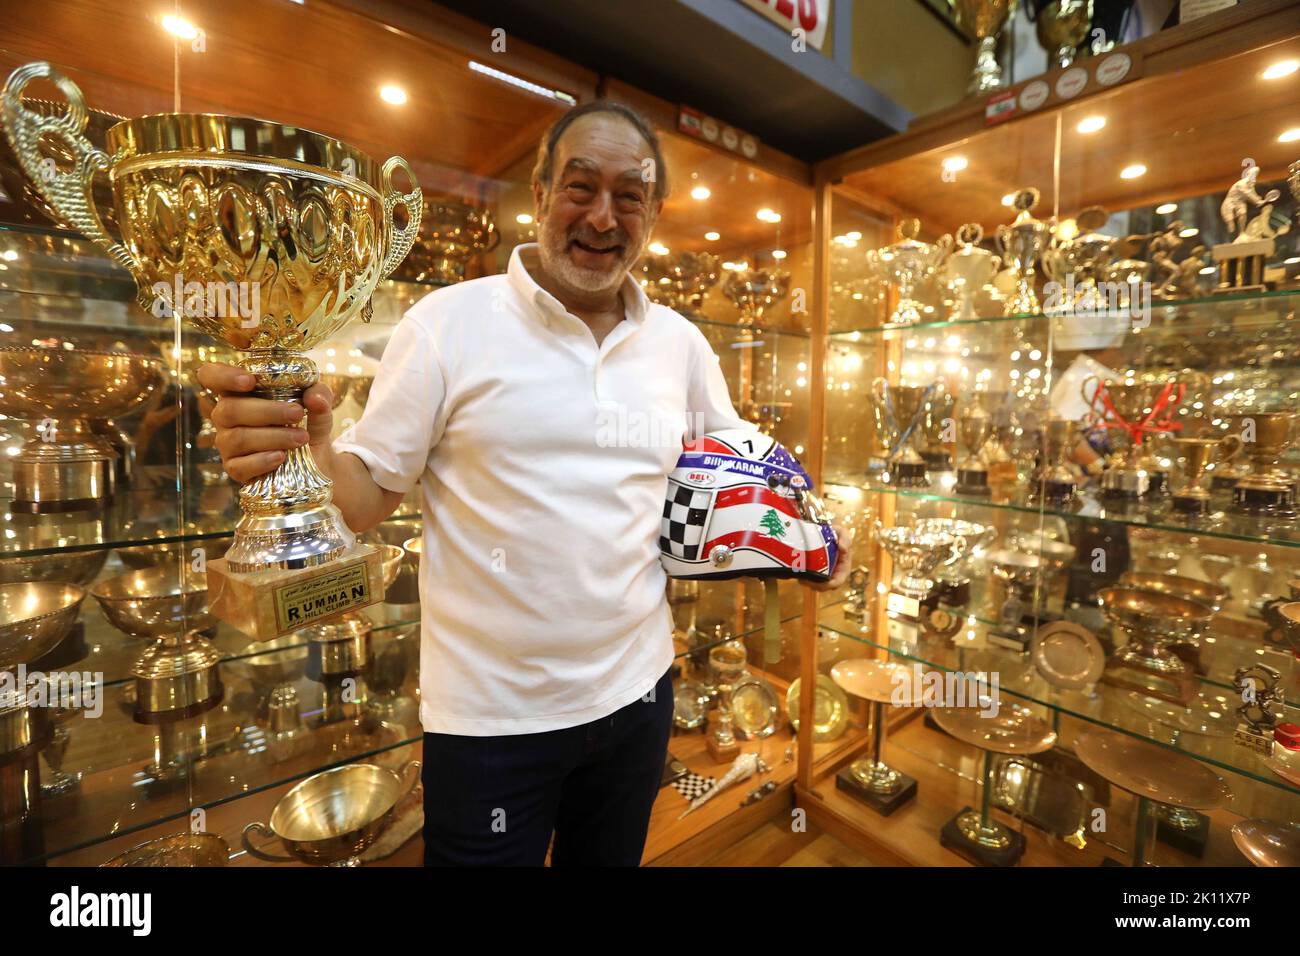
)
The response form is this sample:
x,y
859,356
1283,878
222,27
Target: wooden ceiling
x,y
1192,128
314,65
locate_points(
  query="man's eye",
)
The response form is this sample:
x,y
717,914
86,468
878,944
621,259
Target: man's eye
x,y
580,186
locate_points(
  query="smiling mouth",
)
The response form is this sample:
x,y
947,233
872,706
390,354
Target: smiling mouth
x,y
596,250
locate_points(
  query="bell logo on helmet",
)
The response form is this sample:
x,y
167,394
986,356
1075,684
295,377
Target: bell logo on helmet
x,y
701,477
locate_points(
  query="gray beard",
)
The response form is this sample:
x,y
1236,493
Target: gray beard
x,y
558,264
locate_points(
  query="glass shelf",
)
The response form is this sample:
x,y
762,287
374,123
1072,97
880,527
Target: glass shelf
x,y
139,517
1168,315
1279,532
1107,706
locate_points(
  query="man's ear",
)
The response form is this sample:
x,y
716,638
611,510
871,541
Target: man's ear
x,y
539,200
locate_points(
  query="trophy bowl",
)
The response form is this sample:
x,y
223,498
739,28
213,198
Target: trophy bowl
x,y
451,233
970,537
332,817
155,602
908,262
34,617
141,557
267,237
754,292
1202,592
181,849
916,553
1061,26
679,280
67,464
72,567
1153,620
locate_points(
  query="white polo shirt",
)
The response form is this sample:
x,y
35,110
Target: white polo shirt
x,y
543,463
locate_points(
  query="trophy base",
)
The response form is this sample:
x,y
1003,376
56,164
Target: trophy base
x,y
1184,830
1192,504
1241,265
953,593
910,474
340,648
937,460
41,487
1224,483
723,752
269,604
973,482
994,845
1054,492
1012,639
1261,743
177,674
1177,687
884,798
1124,484
1263,499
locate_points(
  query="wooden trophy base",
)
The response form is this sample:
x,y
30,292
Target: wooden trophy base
x,y
270,604
1241,265
1175,688
723,753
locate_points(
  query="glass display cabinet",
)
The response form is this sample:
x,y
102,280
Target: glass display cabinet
x,y
1059,398
184,730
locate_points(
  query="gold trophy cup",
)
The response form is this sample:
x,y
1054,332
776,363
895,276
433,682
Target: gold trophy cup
x,y
1195,454
270,239
984,20
1268,489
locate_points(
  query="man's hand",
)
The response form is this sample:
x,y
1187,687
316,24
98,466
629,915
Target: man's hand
x,y
843,560
254,433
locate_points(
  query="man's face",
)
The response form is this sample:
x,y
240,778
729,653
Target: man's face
x,y
596,214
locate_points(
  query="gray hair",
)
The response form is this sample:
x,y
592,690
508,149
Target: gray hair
x,y
544,169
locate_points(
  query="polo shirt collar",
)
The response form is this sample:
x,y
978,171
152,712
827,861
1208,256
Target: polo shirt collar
x,y
635,303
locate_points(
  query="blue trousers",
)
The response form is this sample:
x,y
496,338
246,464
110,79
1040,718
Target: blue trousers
x,y
495,801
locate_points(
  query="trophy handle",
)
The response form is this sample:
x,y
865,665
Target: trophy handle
x,y
410,774
254,851
1237,445
1090,400
958,549
397,241
70,193
1003,234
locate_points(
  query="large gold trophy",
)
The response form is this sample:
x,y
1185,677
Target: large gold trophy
x,y
270,239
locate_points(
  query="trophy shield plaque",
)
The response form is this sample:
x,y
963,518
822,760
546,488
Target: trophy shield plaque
x,y
269,238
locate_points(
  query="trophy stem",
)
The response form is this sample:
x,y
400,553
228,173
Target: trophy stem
x,y
288,521
988,73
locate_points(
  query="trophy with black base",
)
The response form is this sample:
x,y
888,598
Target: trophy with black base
x,y
1027,570
974,429
869,778
902,408
914,553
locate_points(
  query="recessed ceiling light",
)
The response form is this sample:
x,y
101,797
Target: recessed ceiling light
x,y
1189,232
392,94
700,192
179,26
1133,172
778,253
1294,260
524,219
768,215
1008,199
658,248
1209,271
854,235
1090,124
1280,69
712,236
1166,208
954,164
10,255
1290,136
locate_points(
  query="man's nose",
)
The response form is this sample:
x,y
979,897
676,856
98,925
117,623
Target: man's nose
x,y
601,214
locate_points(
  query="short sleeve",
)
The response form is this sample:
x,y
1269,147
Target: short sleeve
x,y
402,420
708,401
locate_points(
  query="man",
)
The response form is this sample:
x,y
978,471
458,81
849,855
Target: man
x,y
546,648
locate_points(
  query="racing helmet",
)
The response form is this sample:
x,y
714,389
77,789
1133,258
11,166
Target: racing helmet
x,y
740,505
